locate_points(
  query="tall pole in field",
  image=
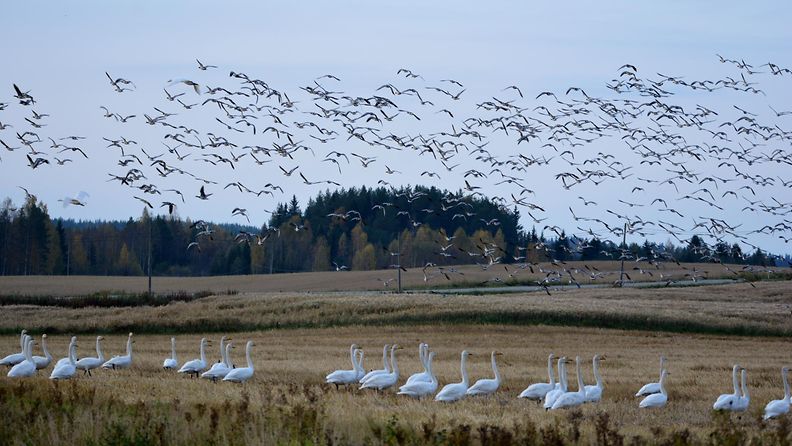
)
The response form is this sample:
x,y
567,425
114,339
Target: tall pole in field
x,y
624,243
399,266
149,257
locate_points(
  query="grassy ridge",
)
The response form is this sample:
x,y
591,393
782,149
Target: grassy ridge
x,y
103,299
459,317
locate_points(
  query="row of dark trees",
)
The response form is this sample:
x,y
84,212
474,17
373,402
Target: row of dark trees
x,y
420,226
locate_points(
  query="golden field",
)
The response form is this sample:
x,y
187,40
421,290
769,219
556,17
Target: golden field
x,y
303,336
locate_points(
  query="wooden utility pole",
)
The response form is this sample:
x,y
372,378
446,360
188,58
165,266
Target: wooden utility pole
x,y
149,257
399,266
624,243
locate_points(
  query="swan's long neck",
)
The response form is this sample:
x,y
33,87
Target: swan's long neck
x,y
385,365
550,370
662,364
464,370
581,386
203,348
786,386
562,374
663,375
44,348
359,361
745,393
432,376
352,356
597,373
247,355
222,350
173,349
99,353
394,364
129,347
22,343
73,354
27,349
423,352
495,368
735,382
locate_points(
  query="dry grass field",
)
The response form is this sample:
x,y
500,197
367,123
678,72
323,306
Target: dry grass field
x,y
340,281
302,336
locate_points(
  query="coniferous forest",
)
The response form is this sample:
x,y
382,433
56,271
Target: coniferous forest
x,y
359,229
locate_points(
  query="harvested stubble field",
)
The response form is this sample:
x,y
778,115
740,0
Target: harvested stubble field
x,y
472,275
288,402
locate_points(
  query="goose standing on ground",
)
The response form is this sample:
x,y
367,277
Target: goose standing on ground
x,y
385,367
656,399
572,399
418,389
561,389
42,362
90,363
121,362
456,391
490,385
220,369
171,363
651,388
242,374
537,391
745,398
423,353
15,358
68,370
594,393
779,407
346,377
195,366
26,368
727,401
385,380
67,359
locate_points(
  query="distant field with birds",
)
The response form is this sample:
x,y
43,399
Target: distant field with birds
x,y
300,337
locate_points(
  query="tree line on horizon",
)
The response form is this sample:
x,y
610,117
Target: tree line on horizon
x,y
341,229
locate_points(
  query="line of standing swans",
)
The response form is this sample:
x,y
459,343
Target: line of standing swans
x,y
24,364
553,394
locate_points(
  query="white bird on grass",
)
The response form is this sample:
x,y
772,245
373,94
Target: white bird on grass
x,y
242,374
67,359
385,368
487,386
347,377
594,393
552,396
657,399
385,380
121,362
745,399
776,408
90,363
456,391
220,369
195,366
42,362
425,376
418,389
172,362
727,401
537,391
651,388
15,358
68,370
26,368
572,399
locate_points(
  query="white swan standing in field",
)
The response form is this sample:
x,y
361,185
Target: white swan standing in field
x,y
779,407
89,363
121,362
67,359
552,396
385,380
68,370
456,391
172,362
385,367
42,362
656,399
360,370
26,368
220,369
487,386
537,391
346,377
572,399
745,399
425,376
727,401
651,388
418,389
594,393
242,374
195,366
15,358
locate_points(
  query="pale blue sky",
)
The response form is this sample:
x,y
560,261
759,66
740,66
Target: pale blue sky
x,y
60,51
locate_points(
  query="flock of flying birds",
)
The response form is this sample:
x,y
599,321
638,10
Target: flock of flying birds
x,y
662,154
